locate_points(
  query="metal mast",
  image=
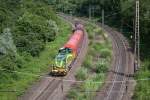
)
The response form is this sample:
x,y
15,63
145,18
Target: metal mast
x,y
103,14
137,38
102,17
90,12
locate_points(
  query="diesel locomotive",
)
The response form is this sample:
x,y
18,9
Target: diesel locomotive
x,y
68,53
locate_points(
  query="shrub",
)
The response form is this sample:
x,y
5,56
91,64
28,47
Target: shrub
x,y
35,47
97,46
88,62
98,77
8,62
6,42
101,67
72,94
29,44
30,23
89,29
32,31
98,31
82,74
92,52
105,53
89,85
142,89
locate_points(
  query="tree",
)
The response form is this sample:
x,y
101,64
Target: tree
x,y
6,43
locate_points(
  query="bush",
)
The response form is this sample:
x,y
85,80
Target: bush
x,y
105,53
8,62
90,36
97,77
142,89
30,23
89,29
98,31
32,32
6,43
101,67
46,12
97,46
89,85
30,45
35,47
92,52
88,62
82,74
72,94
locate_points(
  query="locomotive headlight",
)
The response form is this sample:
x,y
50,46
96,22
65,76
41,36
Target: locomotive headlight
x,y
55,70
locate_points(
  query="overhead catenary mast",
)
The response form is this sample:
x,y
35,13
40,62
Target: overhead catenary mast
x,y
103,13
102,17
137,38
90,12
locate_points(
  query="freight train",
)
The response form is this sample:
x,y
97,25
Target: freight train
x,y
68,53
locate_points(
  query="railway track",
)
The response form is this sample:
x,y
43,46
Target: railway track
x,y
120,71
121,61
122,67
117,84
51,88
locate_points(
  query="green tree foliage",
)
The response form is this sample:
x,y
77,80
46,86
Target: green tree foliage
x,y
9,60
26,26
32,31
144,27
33,23
6,43
9,11
8,52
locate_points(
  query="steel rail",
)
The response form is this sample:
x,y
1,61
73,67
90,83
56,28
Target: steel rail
x,y
117,70
48,90
122,68
122,44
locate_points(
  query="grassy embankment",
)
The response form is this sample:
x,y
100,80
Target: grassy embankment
x,y
35,66
93,70
143,86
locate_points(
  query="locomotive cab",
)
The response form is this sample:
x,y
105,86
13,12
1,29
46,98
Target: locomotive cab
x,y
62,61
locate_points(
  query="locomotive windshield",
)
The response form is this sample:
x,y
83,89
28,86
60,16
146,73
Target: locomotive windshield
x,y
65,50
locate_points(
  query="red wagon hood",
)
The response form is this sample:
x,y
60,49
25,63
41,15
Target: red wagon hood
x,y
74,40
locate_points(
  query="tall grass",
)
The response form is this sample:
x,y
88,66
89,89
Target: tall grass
x,y
142,88
105,52
88,63
82,74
